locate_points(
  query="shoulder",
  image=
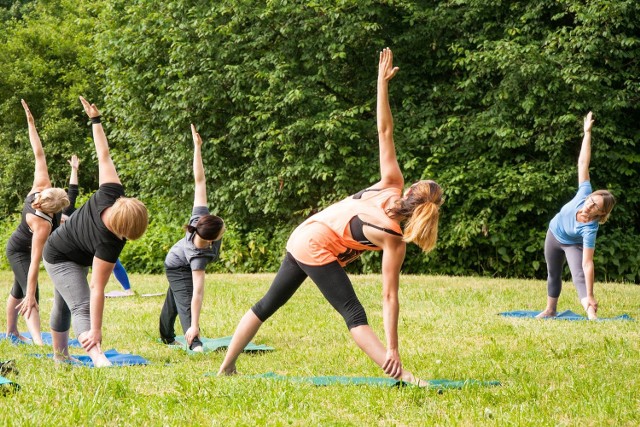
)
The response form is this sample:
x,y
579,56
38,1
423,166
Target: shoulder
x,y
585,187
111,189
199,211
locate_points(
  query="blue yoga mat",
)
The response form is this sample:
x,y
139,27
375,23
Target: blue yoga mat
x,y
4,381
116,359
565,315
213,344
46,339
386,382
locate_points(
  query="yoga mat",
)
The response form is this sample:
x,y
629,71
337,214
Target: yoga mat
x,y
159,294
46,339
386,382
213,344
4,381
565,315
118,294
116,359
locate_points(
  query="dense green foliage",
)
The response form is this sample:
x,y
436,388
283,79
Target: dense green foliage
x,y
488,102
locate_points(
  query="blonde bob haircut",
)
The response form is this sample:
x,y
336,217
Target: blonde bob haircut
x,y
51,200
421,210
129,218
608,202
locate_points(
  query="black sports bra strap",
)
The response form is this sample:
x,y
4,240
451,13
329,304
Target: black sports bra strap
x,y
386,230
359,194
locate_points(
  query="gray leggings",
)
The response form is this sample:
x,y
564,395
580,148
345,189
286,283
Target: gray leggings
x,y
555,253
71,297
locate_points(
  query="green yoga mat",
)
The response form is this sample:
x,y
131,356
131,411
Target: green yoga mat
x,y
386,382
214,344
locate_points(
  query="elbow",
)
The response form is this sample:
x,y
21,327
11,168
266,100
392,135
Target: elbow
x,y
587,267
385,131
390,298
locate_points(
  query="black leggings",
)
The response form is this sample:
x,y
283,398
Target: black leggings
x,y
332,281
20,263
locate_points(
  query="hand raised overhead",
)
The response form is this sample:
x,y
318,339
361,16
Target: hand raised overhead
x,y
30,119
588,122
386,70
90,109
197,140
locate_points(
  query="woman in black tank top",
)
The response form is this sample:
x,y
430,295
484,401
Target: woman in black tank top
x,y
40,216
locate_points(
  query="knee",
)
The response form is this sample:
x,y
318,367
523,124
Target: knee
x,y
263,310
354,314
81,310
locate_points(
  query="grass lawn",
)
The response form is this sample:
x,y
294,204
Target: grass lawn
x,y
552,372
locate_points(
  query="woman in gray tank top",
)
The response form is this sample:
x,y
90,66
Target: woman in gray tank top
x,y
186,262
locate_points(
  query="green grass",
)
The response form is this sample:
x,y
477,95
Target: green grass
x,y
552,372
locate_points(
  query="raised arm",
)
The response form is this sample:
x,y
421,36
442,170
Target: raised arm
x,y
106,170
585,150
390,174
73,190
75,164
41,179
200,197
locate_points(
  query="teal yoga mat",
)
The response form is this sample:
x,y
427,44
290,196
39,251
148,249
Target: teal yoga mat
x,y
46,339
564,315
385,382
6,384
213,344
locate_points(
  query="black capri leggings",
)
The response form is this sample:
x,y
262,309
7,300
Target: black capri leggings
x,y
332,281
20,262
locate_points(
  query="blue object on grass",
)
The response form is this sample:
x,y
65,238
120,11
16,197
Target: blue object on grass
x,y
116,359
565,315
213,344
46,339
386,382
4,381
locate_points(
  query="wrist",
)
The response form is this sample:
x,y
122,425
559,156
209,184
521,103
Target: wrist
x,y
95,120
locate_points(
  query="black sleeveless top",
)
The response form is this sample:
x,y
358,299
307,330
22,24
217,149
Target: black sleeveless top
x,y
20,240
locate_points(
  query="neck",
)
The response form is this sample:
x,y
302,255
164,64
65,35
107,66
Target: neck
x,y
199,242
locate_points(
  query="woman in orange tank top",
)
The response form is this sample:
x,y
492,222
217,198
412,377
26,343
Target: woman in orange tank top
x,y
369,220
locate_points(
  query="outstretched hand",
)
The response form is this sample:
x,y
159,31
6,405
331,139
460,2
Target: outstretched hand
x,y
191,334
74,162
588,122
392,365
30,119
90,109
197,140
386,70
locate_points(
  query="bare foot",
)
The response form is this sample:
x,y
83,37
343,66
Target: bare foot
x,y
60,359
227,371
591,313
546,314
16,335
100,361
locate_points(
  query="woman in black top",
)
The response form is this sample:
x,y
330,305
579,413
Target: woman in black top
x,y
92,237
40,216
